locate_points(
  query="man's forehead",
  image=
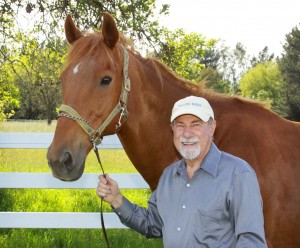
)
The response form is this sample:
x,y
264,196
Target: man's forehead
x,y
188,118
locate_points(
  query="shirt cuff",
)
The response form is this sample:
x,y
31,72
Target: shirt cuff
x,y
125,210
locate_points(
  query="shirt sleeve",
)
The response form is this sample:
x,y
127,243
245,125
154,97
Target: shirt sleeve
x,y
248,211
145,221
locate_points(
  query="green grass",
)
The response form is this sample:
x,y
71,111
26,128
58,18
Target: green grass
x,y
27,126
77,238
64,200
34,160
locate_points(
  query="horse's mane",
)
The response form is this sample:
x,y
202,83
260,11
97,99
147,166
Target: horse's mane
x,y
195,88
160,68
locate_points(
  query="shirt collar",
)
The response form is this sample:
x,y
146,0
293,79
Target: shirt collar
x,y
209,164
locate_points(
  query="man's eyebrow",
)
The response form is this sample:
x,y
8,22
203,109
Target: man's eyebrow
x,y
196,121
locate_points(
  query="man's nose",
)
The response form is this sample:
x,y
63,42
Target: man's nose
x,y
188,132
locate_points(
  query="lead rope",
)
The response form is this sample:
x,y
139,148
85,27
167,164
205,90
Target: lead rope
x,y
101,202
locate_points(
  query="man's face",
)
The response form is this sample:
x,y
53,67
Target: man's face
x,y
192,136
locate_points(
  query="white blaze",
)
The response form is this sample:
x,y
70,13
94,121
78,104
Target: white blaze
x,y
76,68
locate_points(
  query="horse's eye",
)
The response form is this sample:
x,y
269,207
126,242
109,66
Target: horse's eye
x,y
105,81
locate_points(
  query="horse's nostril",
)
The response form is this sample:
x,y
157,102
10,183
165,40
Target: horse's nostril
x,y
67,160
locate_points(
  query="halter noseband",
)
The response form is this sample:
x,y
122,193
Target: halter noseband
x,y
96,135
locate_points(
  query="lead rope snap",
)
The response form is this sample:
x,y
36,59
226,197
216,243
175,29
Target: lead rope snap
x,y
101,202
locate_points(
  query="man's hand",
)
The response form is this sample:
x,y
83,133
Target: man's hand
x,y
109,191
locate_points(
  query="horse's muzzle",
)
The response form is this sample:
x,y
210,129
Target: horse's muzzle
x,y
65,166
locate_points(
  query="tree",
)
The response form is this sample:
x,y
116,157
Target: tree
x,y
215,80
264,83
233,64
136,18
212,56
183,52
8,93
290,69
6,20
213,73
35,72
263,57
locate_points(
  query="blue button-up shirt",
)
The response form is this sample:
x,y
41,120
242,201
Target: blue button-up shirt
x,y
220,206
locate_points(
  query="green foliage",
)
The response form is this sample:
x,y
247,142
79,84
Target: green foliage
x,y
263,57
264,83
233,64
34,69
136,18
183,52
214,80
290,69
8,93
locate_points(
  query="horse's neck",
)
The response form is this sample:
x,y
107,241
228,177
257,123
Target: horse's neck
x,y
148,126
153,93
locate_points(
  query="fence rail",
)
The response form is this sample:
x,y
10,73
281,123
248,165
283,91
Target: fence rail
x,y
43,140
18,180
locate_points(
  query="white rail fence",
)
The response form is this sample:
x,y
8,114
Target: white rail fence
x,y
47,181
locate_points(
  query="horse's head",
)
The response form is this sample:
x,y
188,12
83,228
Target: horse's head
x,y
94,95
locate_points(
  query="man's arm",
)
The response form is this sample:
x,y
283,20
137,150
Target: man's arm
x,y
145,221
248,211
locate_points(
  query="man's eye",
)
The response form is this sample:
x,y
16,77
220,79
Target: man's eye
x,y
195,125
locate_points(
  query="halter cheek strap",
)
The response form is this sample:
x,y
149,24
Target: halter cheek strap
x,y
121,107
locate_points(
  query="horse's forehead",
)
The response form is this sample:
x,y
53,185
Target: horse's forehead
x,y
88,65
84,66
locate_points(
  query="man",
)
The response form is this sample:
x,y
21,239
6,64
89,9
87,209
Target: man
x,y
208,199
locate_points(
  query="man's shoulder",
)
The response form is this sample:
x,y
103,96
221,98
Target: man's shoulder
x,y
236,163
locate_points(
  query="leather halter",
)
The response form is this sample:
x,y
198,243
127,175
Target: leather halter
x,y
96,135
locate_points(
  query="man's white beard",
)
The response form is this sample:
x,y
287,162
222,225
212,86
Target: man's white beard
x,y
189,153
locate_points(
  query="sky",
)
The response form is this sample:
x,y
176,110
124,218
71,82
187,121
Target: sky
x,y
254,23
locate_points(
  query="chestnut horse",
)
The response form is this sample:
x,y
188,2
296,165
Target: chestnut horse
x,y
92,81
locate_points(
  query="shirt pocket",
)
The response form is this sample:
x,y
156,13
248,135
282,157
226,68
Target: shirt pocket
x,y
208,228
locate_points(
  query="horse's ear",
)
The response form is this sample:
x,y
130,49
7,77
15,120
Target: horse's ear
x,y
109,30
72,32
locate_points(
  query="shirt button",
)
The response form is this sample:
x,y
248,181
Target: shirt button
x,y
188,185
178,229
183,206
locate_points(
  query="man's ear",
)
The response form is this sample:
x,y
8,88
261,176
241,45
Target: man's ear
x,y
213,127
172,126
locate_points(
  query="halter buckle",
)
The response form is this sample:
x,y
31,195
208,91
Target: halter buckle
x,y
123,113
